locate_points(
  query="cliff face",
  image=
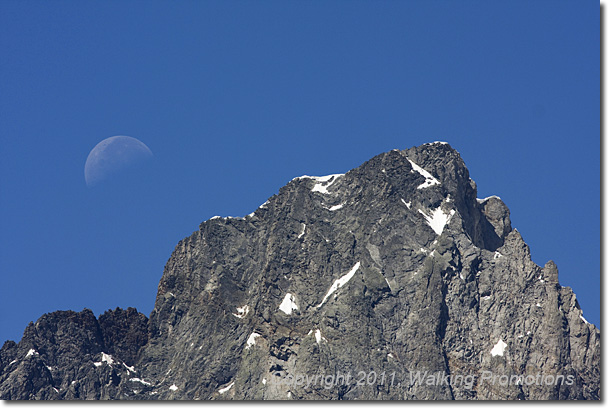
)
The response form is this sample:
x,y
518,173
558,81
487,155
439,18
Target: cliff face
x,y
392,281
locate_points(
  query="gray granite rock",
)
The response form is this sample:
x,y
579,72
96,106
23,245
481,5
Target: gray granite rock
x,y
392,281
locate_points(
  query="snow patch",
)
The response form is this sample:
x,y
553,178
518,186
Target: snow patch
x,y
336,207
31,352
107,358
438,219
407,204
14,361
319,337
49,368
437,142
264,381
430,180
479,200
252,340
498,349
583,319
97,364
288,304
135,379
173,387
302,231
323,183
130,368
339,283
486,298
226,389
242,311
497,255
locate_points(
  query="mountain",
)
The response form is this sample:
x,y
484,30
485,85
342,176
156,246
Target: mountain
x,y
392,281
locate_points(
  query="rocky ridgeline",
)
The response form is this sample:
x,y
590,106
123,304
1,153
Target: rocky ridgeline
x,y
392,281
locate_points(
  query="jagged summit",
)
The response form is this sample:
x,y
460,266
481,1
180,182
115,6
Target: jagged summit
x,y
393,268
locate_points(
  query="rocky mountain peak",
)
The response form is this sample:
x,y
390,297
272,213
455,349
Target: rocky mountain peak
x,y
393,268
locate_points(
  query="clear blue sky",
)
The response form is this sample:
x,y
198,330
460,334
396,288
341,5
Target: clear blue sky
x,y
235,98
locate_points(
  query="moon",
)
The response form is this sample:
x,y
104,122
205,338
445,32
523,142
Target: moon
x,y
113,155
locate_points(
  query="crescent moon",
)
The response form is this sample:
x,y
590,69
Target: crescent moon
x,y
112,155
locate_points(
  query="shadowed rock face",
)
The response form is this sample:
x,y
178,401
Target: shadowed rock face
x,y
355,286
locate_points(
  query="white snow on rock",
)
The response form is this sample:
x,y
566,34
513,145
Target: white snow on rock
x,y
497,255
486,297
339,283
407,204
129,368
479,200
107,358
323,183
226,389
215,217
31,352
14,361
430,180
318,336
436,142
264,381
498,349
288,304
135,379
583,319
173,387
336,207
302,231
242,311
438,219
252,340
97,364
